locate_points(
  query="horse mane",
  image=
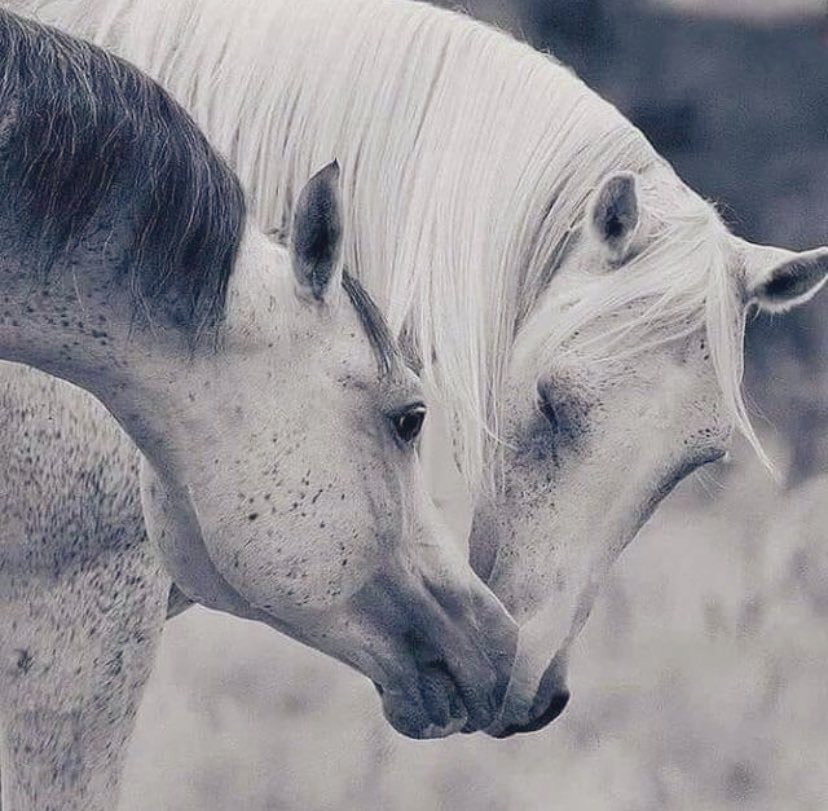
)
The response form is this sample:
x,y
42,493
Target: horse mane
x,y
468,161
81,130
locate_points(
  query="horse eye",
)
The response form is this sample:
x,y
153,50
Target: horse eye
x,y
409,423
548,410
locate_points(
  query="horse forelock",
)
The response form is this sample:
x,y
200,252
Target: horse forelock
x,y
468,159
684,280
88,134
390,362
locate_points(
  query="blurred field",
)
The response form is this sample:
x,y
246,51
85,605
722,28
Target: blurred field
x,y
700,681
749,9
698,684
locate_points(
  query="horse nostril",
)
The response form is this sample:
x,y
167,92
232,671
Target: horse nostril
x,y
379,689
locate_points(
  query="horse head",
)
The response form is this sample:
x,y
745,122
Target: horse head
x,y
305,506
624,380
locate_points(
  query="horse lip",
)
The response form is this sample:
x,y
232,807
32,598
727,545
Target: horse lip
x,y
437,708
554,708
442,697
550,700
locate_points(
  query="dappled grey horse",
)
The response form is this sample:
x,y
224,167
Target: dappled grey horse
x,y
277,422
577,309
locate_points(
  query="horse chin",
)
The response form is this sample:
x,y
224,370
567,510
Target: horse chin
x,y
412,728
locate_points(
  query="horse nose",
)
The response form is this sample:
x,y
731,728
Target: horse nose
x,y
476,641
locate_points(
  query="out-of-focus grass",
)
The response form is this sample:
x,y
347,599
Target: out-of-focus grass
x,y
699,683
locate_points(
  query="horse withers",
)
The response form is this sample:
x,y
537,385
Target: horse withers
x,y
264,389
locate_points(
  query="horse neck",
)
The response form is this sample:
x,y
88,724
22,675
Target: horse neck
x,y
81,322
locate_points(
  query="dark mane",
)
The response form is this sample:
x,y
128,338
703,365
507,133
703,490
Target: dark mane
x,y
81,130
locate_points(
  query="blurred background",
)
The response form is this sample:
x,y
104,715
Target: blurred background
x,y
700,680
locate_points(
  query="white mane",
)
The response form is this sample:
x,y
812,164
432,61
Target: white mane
x,y
467,159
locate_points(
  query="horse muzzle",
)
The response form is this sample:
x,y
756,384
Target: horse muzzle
x,y
548,702
454,662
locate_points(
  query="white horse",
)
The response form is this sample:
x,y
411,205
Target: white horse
x,y
265,391
575,308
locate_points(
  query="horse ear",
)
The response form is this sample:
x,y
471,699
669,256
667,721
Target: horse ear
x,y
614,214
316,240
778,280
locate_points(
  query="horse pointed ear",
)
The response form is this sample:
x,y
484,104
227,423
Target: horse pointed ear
x,y
316,240
779,280
614,214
